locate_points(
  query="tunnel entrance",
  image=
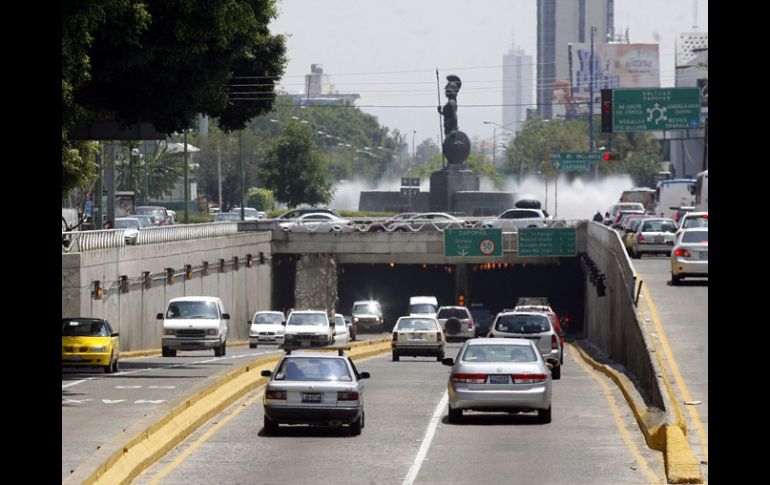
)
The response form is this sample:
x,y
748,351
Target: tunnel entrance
x,y
284,270
393,285
494,286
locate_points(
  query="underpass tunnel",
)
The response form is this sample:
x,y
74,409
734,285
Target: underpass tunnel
x,y
392,285
496,286
284,269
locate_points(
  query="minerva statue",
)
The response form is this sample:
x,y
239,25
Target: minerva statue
x,y
457,146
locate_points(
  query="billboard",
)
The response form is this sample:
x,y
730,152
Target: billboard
x,y
614,66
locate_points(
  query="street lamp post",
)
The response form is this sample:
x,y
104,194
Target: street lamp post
x,y
409,188
186,184
494,137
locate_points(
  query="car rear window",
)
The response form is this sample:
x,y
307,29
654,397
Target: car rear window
x,y
422,308
695,236
523,324
313,369
659,226
267,318
416,324
77,328
698,221
307,319
452,313
499,353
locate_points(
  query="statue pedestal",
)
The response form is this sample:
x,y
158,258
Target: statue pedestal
x,y
455,177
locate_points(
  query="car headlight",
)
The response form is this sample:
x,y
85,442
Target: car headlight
x,y
212,331
355,320
103,348
168,332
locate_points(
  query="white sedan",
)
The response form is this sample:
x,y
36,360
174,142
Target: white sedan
x,y
318,222
690,256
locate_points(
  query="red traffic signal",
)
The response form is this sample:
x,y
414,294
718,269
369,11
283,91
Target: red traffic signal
x,y
608,156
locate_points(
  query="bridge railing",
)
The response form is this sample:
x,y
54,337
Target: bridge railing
x,y
79,241
182,232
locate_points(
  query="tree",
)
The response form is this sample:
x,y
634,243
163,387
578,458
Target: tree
x,y
165,61
261,199
295,170
164,169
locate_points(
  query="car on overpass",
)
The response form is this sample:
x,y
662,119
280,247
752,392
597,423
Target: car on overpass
x,y
428,221
295,213
318,222
89,342
499,375
515,219
316,388
130,226
390,224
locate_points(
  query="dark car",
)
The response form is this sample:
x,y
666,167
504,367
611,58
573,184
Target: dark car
x,y
482,318
159,215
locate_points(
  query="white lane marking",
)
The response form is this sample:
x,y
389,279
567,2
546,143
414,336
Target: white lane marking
x,y
128,387
74,383
434,420
75,401
161,387
112,401
149,401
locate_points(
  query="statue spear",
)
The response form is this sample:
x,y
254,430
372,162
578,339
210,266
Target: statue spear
x,y
440,124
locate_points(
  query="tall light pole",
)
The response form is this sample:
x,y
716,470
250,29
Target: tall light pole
x,y
494,137
409,188
240,164
186,184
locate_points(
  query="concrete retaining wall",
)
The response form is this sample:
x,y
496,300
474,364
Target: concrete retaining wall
x,y
611,321
316,282
132,313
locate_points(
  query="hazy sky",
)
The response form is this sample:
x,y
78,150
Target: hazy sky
x,y
388,51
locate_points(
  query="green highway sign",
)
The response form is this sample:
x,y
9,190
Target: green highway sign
x,y
574,161
473,242
655,109
557,241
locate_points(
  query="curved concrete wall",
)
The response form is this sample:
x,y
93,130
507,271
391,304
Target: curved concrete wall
x,y
132,313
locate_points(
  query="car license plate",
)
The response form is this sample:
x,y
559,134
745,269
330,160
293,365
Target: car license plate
x,y
75,357
304,343
311,397
501,379
417,337
703,256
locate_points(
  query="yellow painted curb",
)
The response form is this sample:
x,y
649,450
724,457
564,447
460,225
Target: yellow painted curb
x,y
681,464
148,446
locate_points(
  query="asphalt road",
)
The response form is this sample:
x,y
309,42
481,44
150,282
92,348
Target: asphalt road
x,y
683,315
584,444
96,407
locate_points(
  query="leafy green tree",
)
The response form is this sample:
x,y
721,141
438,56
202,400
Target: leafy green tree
x,y
295,170
261,199
164,170
164,61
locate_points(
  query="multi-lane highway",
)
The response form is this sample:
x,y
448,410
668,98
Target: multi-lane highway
x,y
593,437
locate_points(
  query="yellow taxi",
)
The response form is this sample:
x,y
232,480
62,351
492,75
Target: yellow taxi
x,y
89,342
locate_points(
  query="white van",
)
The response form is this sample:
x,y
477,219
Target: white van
x,y
194,323
308,328
423,305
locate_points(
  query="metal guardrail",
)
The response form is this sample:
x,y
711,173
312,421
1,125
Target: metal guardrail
x,y
79,241
182,232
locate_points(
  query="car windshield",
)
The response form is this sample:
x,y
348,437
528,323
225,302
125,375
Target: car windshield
x,y
84,328
695,222
452,313
523,324
499,353
127,224
307,319
366,308
339,320
313,369
267,318
416,324
422,308
659,226
192,309
695,237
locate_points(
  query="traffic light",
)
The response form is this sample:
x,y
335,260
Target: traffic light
x,y
461,300
609,156
606,110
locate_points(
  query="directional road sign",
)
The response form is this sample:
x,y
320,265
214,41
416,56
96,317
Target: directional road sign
x,y
473,242
655,109
556,241
574,161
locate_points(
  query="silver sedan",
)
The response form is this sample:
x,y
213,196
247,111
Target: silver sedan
x,y
690,256
499,375
318,222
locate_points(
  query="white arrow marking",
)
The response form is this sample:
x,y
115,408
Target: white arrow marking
x,y
128,387
148,401
111,401
462,252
